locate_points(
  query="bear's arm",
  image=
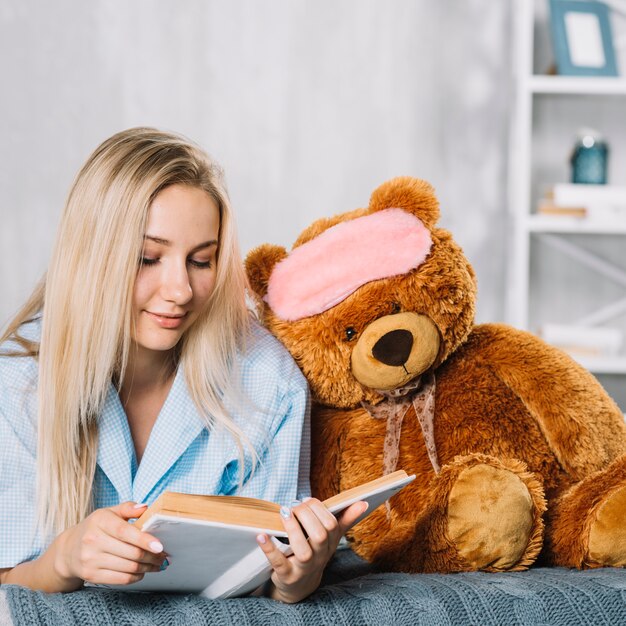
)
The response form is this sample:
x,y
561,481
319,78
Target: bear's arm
x,y
580,422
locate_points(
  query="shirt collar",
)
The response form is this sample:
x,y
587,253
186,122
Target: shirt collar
x,y
177,426
116,453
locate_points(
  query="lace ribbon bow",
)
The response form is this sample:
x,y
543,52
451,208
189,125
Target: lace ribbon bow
x,y
421,394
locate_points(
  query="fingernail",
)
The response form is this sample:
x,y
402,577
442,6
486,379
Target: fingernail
x,y
366,506
261,539
295,503
156,546
139,506
164,565
285,512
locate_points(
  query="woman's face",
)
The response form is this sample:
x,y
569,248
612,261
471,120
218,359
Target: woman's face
x,y
177,274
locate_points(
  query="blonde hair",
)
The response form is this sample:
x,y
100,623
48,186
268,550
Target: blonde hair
x,y
86,301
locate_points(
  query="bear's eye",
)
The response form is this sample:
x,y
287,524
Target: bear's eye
x,y
350,333
395,307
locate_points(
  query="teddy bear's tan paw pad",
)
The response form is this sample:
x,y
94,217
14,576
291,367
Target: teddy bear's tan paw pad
x,y
607,537
490,517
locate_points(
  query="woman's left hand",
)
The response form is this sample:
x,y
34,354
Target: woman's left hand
x,y
299,575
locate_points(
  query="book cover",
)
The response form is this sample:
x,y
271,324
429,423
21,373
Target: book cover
x,y
211,540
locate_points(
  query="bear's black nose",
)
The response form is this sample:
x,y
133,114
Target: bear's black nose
x,y
394,347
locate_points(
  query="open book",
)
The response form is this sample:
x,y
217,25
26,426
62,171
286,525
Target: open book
x,y
211,540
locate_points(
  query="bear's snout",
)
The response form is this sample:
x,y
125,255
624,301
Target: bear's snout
x,y
394,349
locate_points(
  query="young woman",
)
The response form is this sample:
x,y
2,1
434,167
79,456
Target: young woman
x,y
135,368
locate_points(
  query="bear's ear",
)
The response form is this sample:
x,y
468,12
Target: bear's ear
x,y
259,265
319,226
410,194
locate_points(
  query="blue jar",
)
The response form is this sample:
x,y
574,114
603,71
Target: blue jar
x,y
589,159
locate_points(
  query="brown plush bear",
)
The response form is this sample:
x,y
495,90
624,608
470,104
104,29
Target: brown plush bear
x,y
377,307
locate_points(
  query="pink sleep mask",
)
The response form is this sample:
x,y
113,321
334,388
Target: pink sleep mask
x,y
325,270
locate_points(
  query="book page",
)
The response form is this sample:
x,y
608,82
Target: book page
x,y
375,493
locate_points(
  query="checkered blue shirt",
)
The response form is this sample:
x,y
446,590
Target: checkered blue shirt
x,y
181,454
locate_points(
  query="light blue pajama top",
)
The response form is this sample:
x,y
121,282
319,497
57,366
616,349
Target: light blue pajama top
x,y
181,454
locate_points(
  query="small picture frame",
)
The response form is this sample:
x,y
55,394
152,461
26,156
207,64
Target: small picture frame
x,y
582,38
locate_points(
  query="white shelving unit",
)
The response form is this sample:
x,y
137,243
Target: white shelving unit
x,y
577,85
559,233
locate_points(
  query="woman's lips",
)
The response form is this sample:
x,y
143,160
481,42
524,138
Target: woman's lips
x,y
167,321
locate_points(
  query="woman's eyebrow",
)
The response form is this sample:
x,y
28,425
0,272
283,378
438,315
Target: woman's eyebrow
x,y
164,242
167,242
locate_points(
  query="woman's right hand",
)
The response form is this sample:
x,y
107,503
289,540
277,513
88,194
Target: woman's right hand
x,y
105,548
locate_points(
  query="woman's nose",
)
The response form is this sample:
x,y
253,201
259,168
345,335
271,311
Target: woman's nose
x,y
176,286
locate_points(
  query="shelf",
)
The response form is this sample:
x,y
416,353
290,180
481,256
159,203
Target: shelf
x,y
577,85
576,225
603,365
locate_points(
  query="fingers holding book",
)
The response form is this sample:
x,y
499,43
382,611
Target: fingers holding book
x,y
314,533
350,516
104,548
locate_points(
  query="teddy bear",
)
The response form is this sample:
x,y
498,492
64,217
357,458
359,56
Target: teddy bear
x,y
518,452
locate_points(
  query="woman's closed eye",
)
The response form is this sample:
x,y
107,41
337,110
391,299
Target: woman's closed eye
x,y
200,264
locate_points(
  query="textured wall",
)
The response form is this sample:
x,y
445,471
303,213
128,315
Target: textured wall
x,y
308,105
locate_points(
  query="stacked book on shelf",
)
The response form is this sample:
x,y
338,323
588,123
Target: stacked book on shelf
x,y
595,203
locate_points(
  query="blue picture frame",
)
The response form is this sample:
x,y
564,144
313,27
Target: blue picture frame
x,y
578,18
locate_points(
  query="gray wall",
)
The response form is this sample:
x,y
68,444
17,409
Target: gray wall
x,y
308,105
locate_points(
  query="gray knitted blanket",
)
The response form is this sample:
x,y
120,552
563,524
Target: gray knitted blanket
x,y
352,594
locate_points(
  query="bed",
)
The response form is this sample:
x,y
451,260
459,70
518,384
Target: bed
x,y
352,593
